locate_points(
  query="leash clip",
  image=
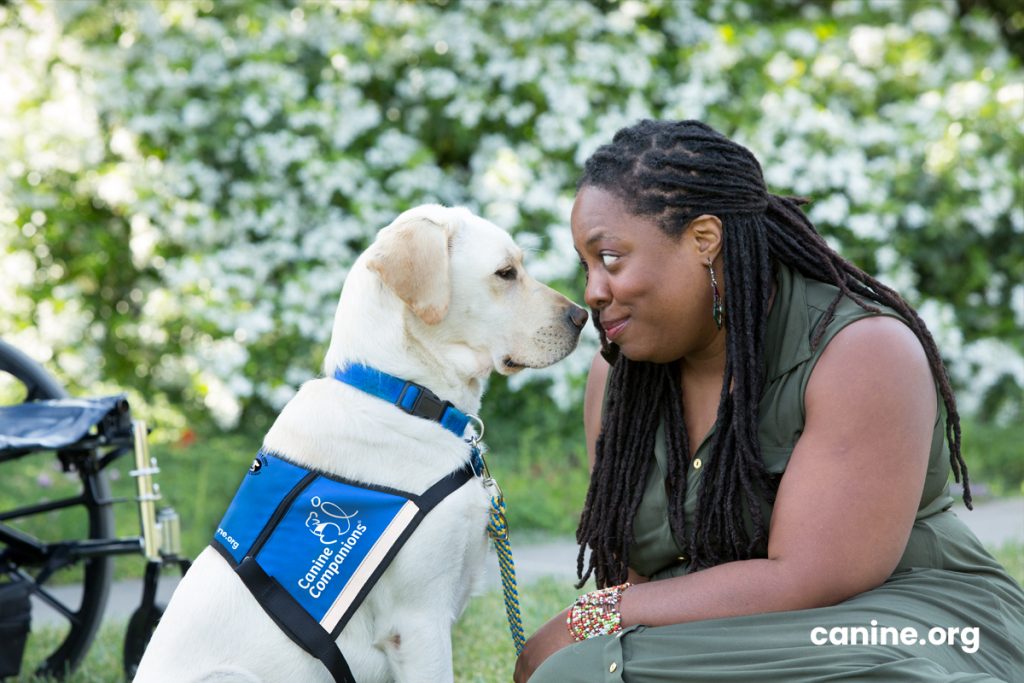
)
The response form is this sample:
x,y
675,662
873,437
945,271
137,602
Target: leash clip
x,y
478,455
491,484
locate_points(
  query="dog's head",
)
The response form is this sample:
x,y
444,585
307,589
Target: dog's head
x,y
451,290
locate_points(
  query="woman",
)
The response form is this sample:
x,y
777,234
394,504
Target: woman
x,y
770,448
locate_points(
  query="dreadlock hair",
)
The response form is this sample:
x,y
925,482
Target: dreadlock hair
x,y
673,172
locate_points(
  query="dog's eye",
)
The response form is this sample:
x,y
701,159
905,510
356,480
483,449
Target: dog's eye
x,y
508,273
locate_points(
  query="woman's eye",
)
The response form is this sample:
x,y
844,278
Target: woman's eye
x,y
506,273
608,259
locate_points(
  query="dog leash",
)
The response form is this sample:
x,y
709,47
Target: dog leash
x,y
497,531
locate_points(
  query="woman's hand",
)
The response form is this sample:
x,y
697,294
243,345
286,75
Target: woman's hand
x,y
549,639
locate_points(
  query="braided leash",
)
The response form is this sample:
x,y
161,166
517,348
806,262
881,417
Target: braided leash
x,y
497,529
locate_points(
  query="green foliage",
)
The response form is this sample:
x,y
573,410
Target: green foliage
x,y
993,455
185,183
538,457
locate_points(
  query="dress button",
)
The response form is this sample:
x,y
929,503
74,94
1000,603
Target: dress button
x,y
697,463
681,558
613,667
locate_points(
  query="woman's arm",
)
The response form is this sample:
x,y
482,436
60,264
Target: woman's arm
x,y
849,495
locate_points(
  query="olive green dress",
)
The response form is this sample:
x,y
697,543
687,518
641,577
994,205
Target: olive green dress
x,y
944,579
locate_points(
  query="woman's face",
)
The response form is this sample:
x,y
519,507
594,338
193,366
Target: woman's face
x,y
652,291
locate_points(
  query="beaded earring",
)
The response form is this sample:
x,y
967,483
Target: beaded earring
x,y
716,298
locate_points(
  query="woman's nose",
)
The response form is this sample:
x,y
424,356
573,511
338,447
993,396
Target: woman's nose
x,y
596,293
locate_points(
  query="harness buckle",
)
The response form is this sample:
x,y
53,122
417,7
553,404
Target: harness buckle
x,y
427,404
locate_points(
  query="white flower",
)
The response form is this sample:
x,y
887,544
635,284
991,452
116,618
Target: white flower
x,y
506,176
866,226
781,67
931,20
832,211
915,215
825,65
224,405
800,42
868,45
115,187
1017,304
966,97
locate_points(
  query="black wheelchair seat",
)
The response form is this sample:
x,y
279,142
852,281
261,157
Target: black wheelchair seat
x,y
63,422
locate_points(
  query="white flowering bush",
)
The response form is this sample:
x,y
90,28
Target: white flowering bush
x,y
184,183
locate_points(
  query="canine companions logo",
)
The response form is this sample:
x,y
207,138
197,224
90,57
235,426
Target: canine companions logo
x,y
329,532
335,524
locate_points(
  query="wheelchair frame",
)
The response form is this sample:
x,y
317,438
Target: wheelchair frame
x,y
23,557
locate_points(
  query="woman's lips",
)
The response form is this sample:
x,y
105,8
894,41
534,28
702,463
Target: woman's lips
x,y
613,328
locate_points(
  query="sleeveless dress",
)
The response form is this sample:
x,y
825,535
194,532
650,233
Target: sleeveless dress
x,y
945,579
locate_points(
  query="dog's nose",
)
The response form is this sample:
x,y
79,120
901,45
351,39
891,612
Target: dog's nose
x,y
578,316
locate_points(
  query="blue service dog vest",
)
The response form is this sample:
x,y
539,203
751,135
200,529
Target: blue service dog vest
x,y
310,546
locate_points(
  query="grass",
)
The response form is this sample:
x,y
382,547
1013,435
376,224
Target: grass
x,y
102,664
1011,556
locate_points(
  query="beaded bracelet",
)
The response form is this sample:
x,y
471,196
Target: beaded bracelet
x,y
596,613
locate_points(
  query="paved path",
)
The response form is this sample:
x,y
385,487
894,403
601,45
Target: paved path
x,y
995,522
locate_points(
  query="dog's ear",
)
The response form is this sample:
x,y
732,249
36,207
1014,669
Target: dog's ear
x,y
411,258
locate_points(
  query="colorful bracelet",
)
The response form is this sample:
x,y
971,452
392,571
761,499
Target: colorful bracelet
x,y
596,613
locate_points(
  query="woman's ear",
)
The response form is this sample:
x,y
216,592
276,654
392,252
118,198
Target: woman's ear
x,y
705,233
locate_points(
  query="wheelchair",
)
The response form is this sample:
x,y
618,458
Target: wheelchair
x,y
60,448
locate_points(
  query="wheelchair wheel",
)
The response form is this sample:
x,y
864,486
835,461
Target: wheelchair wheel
x,y
85,494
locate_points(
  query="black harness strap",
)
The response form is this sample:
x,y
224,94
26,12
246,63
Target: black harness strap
x,y
296,623
442,489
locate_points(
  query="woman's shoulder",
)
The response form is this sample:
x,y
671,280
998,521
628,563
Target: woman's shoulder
x,y
879,350
821,295
856,343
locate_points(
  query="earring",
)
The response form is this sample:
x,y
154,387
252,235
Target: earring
x,y
716,298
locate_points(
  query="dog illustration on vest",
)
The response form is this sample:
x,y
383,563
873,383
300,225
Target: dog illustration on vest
x,y
328,532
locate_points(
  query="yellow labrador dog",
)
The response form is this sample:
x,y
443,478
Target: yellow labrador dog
x,y
439,301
